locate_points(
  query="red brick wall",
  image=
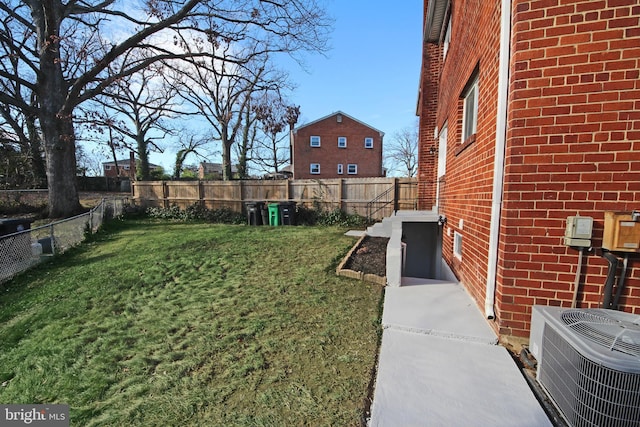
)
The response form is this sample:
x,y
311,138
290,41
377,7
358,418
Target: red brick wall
x,y
465,195
369,160
573,148
427,108
112,172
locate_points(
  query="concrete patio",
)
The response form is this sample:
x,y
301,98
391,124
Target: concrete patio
x,y
439,364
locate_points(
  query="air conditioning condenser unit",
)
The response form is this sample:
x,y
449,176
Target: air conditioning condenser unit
x,y
589,364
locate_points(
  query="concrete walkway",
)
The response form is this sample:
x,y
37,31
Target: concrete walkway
x,y
439,364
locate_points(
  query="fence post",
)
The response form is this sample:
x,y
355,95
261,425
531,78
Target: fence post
x,y
165,195
287,190
340,194
395,194
53,240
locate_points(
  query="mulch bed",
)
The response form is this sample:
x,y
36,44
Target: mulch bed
x,y
370,257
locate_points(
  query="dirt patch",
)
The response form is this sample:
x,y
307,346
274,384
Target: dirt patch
x,y
370,257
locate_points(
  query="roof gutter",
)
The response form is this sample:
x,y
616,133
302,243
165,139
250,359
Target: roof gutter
x,y
498,170
436,11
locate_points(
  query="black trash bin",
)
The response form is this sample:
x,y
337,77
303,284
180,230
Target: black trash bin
x,y
287,213
254,213
14,225
264,211
19,246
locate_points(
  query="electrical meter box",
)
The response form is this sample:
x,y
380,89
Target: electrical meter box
x,y
578,231
621,232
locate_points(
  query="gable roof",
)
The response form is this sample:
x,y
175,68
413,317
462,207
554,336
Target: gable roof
x,y
335,114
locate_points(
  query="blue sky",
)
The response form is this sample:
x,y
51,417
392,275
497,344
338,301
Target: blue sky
x,y
370,73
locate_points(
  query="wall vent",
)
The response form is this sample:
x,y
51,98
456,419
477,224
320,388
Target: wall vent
x,y
589,364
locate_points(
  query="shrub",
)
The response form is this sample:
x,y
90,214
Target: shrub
x,y
339,218
197,212
336,217
306,216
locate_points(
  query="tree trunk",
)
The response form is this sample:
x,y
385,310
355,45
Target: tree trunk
x,y
61,166
226,160
56,119
143,156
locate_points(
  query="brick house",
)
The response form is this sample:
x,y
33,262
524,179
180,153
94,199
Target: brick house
x,y
529,114
207,170
127,168
336,146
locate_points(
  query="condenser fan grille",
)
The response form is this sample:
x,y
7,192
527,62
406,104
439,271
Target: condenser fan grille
x,y
614,330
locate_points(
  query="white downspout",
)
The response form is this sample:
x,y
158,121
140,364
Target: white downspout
x,y
498,170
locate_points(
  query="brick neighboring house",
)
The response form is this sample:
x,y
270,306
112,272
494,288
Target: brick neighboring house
x,y
336,146
530,113
207,170
127,168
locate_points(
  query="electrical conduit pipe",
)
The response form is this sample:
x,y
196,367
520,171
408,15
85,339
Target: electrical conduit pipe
x,y
498,163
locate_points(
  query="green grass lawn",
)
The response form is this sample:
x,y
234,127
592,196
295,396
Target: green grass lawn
x,y
167,324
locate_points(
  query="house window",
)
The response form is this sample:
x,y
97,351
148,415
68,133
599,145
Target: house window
x,y
368,143
352,169
457,245
342,142
340,169
126,167
470,111
315,168
442,151
315,141
447,39
107,167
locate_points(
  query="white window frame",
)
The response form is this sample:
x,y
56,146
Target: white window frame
x,y
314,141
457,245
352,169
470,111
368,142
442,151
314,169
340,169
342,142
107,167
447,39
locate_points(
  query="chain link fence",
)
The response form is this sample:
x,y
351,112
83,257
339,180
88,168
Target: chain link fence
x,y
26,247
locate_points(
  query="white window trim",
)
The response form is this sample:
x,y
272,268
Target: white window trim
x,y
312,143
442,151
368,142
342,142
340,169
470,102
457,245
447,39
354,167
314,168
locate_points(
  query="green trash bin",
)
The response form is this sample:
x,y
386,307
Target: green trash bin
x,y
274,214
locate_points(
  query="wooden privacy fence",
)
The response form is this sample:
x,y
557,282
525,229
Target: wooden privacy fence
x,y
372,197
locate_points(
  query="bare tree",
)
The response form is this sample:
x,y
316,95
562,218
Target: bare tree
x,y
190,143
403,151
272,150
222,91
142,103
19,126
73,53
